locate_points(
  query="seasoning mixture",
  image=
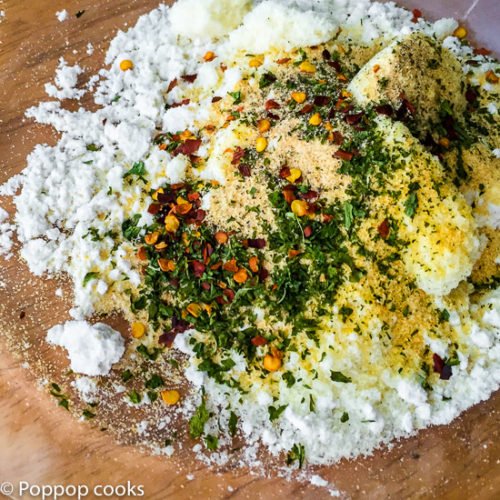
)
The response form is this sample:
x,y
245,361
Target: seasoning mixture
x,y
301,226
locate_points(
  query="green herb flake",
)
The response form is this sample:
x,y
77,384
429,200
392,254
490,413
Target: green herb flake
x,y
296,454
198,421
274,413
340,377
89,277
134,397
233,423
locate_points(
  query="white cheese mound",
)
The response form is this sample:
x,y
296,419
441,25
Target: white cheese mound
x,y
6,234
62,15
87,389
280,27
443,239
65,82
92,349
207,19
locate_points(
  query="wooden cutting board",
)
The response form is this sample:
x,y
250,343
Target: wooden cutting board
x,y
40,443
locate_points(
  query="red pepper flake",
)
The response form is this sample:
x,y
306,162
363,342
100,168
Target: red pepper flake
x,y
263,274
238,154
308,231
154,208
441,367
321,100
408,105
271,104
327,218
229,294
188,147
256,243
230,266
167,338
284,172
184,102
199,215
310,195
384,109
272,116
284,60
198,268
417,14
338,138
245,170
172,85
482,51
471,95
206,285
326,55
289,194
193,196
384,229
207,251
258,341
335,65
189,78
306,109
216,99
343,155
354,119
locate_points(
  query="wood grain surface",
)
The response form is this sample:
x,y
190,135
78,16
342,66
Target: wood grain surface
x,y
40,443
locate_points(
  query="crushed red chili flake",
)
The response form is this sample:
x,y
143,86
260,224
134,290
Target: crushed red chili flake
x,y
263,274
258,341
322,100
172,85
198,268
408,105
178,326
441,367
310,195
189,78
245,170
284,60
184,102
272,116
471,95
308,231
256,242
354,119
206,285
417,14
343,155
284,172
238,154
154,208
306,109
188,147
216,99
271,104
326,55
193,196
167,338
229,294
327,218
164,198
482,51
289,194
384,109
384,229
335,65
